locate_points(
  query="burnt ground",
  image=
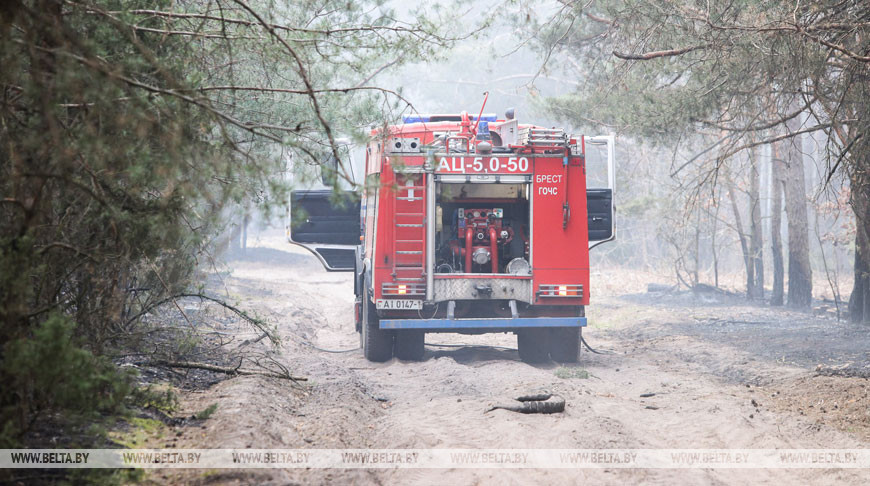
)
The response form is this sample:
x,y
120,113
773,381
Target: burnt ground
x,y
715,372
777,334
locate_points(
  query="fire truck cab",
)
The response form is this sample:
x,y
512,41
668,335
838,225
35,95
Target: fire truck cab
x,y
466,224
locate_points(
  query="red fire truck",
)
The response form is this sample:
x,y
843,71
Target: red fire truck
x,y
465,224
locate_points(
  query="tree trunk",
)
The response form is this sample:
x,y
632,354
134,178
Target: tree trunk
x,y
738,224
245,220
713,248
859,302
756,241
697,244
776,181
800,275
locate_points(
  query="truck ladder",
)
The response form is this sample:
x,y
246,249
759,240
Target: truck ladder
x,y
409,229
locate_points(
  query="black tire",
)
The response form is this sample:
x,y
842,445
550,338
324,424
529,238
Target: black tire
x,y
409,344
377,343
532,344
565,344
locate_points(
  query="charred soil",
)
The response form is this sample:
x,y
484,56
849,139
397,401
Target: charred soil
x,y
680,370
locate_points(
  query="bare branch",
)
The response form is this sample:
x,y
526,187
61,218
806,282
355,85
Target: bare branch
x,y
226,370
656,54
309,88
770,140
376,72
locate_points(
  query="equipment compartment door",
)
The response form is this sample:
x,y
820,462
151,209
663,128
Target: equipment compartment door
x,y
559,228
599,207
600,175
327,224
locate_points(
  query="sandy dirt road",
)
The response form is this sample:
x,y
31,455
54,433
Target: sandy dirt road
x,y
714,384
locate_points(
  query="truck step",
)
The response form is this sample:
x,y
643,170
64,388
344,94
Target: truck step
x,y
409,252
409,198
409,225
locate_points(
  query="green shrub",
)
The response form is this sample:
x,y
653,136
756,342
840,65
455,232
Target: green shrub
x,y
207,412
48,372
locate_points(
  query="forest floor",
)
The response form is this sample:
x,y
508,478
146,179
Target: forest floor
x,y
722,374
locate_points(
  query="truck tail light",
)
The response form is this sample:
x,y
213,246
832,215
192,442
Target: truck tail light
x,y
404,290
565,290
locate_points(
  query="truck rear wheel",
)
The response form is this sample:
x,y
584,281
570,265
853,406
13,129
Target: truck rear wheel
x,y
409,344
564,344
377,343
532,344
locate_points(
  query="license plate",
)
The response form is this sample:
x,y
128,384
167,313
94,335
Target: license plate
x,y
399,304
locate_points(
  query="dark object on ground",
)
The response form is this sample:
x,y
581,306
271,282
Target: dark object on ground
x,y
657,287
538,403
848,370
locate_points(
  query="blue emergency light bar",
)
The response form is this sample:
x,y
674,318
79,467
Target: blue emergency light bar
x,y
488,117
